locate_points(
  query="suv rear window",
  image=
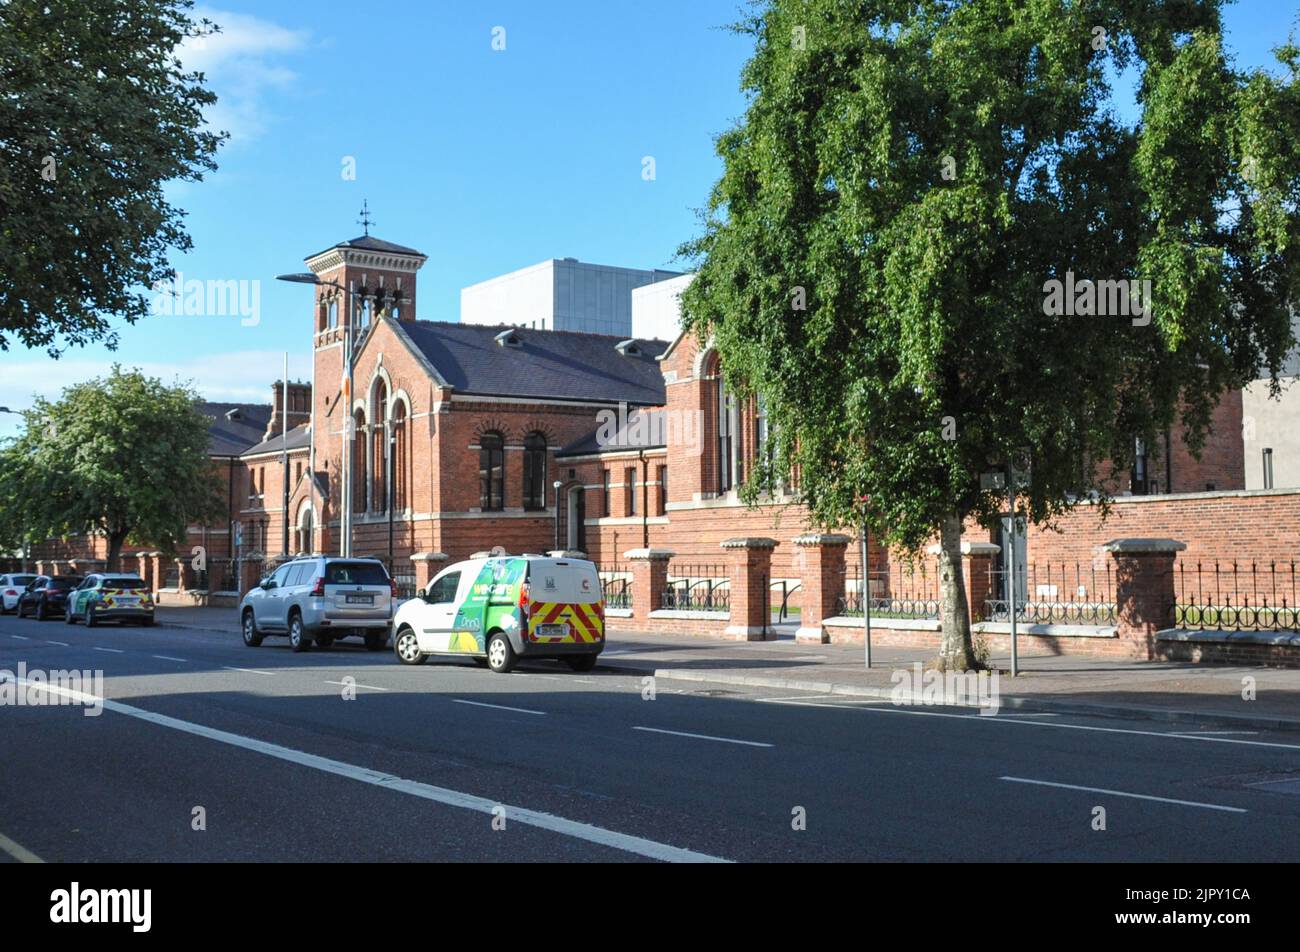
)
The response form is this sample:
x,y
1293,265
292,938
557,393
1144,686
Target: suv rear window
x,y
355,573
123,584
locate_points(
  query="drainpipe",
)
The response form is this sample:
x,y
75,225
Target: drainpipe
x,y
645,499
1169,462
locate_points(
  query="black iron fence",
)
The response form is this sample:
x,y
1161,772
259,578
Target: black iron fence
x,y
1236,597
781,590
225,575
904,590
1055,593
172,576
616,584
697,588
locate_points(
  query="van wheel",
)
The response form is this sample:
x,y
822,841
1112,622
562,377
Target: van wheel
x,y
89,617
298,639
252,637
407,648
376,640
584,662
68,617
501,655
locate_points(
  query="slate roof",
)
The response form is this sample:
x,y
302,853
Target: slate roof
x,y
552,365
299,438
370,243
634,434
232,437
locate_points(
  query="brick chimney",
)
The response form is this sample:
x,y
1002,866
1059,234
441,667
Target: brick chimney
x,y
299,406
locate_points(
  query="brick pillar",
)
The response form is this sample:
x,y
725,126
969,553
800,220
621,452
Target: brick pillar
x,y
250,573
649,579
750,568
145,570
1144,590
819,563
155,569
426,566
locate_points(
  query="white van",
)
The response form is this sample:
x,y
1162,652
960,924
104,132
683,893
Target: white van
x,y
501,608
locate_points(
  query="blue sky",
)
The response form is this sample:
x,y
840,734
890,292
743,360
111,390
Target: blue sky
x,y
484,160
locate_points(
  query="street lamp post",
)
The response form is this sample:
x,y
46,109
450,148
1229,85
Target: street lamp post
x,y
557,484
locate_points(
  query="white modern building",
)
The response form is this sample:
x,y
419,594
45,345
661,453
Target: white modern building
x,y
563,294
1270,428
657,308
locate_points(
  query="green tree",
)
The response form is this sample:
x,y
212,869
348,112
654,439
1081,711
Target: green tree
x,y
920,170
123,457
18,532
96,115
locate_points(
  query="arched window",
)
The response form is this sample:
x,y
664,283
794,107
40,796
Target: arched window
x,y
360,470
726,429
306,529
535,471
401,459
332,314
379,448
491,472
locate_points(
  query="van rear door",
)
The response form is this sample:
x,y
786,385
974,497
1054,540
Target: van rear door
x,y
566,605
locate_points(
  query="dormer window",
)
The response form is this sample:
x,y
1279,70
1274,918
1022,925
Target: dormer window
x,y
235,414
510,338
628,348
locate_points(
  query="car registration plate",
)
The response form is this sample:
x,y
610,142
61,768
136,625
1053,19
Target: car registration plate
x,y
552,631
127,599
361,599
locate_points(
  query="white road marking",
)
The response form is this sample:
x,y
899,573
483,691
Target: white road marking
x,y
110,650
499,707
368,687
1251,733
999,719
454,798
724,740
61,644
20,853
20,637
163,657
249,671
1121,793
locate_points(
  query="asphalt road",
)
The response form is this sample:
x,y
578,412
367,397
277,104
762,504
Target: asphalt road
x,y
451,762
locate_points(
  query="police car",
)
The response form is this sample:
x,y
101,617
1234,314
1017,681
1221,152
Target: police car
x,y
498,609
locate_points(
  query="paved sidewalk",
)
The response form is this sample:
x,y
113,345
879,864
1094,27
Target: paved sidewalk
x,y
1190,693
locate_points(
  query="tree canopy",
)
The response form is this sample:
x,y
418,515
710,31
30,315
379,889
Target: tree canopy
x,y
96,115
125,456
915,173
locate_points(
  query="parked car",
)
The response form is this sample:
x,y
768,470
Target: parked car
x,y
497,610
109,596
320,599
47,596
11,586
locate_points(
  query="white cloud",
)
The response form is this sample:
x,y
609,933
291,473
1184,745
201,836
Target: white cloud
x,y
237,377
240,66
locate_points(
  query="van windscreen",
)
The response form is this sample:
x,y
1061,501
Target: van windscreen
x,y
355,573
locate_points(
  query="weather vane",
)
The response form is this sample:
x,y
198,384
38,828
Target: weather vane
x,y
365,216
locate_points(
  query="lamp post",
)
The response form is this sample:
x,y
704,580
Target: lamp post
x,y
557,484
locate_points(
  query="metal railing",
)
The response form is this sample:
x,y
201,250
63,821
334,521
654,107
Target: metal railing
x,y
1055,593
1216,596
905,590
172,577
616,584
786,589
697,588
225,574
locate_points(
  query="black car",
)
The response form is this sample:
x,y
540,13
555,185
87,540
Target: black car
x,y
47,596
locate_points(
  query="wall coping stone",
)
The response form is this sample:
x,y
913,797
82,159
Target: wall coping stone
x,y
689,614
567,554
904,624
822,538
649,554
969,548
1143,546
430,557
750,542
1291,638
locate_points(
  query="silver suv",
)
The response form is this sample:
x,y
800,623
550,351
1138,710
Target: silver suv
x,y
321,599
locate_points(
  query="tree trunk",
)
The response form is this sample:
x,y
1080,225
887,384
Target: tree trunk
x,y
955,650
115,542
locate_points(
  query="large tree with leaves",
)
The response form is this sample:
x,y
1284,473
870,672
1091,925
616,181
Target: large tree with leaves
x,y
96,115
918,171
123,457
